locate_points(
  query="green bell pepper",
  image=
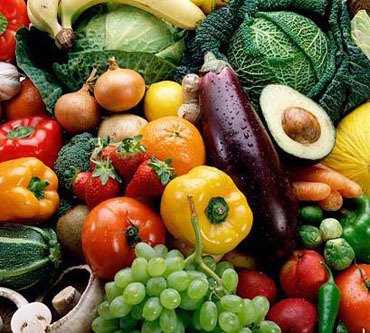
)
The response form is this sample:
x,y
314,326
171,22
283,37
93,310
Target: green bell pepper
x,y
356,227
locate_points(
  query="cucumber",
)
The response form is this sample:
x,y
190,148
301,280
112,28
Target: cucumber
x,y
29,256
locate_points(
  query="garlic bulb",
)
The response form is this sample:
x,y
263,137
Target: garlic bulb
x,y
9,81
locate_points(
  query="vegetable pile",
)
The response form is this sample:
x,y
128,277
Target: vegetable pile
x,y
184,166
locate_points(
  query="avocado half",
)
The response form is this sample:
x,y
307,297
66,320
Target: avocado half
x,y
298,125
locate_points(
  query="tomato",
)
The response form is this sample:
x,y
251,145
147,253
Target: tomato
x,y
354,285
111,231
13,15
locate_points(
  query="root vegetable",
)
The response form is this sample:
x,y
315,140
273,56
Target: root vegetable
x,y
333,202
121,126
78,111
190,110
311,191
119,89
351,189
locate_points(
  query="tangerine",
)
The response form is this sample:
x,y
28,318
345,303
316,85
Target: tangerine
x,y
177,139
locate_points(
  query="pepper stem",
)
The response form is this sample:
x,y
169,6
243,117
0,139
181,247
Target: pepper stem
x,y
197,255
331,278
3,24
37,187
366,282
20,132
217,210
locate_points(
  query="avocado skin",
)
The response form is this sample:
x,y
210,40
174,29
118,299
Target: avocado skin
x,y
239,145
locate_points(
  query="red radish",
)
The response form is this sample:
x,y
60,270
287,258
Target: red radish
x,y
253,283
303,274
294,315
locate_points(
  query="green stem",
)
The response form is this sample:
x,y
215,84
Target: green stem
x,y
37,187
20,132
197,255
3,24
217,210
331,278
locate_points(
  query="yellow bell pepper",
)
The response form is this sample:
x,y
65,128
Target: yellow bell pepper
x,y
28,191
224,215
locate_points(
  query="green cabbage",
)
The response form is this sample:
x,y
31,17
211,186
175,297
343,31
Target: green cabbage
x,y
137,39
361,31
305,44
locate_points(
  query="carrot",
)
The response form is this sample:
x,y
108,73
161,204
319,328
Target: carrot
x,y
311,191
317,174
351,190
333,202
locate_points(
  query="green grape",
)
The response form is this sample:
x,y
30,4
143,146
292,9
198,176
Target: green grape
x,y
261,306
139,270
170,298
248,314
119,308
155,286
188,304
179,280
184,316
180,328
134,293
151,327
152,309
210,262
197,289
230,279
175,253
123,278
100,325
245,330
232,303
135,331
173,264
268,327
168,321
137,310
112,291
144,250
160,250
208,316
195,320
127,323
103,310
156,266
119,331
222,266
197,275
192,266
229,322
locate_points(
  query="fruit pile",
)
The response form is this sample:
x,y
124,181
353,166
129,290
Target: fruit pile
x,y
184,166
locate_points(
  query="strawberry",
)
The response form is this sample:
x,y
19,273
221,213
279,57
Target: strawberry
x,y
79,184
151,178
103,184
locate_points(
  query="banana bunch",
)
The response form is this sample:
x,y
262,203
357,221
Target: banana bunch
x,y
208,6
57,16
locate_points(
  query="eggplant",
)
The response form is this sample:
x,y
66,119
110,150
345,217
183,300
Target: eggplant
x,y
238,144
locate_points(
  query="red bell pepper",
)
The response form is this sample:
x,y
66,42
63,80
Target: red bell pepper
x,y
13,15
39,137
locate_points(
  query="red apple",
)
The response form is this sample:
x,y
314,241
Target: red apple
x,y
294,315
303,275
253,283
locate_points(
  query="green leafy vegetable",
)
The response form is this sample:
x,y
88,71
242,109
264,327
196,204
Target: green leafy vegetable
x,y
361,31
138,40
305,44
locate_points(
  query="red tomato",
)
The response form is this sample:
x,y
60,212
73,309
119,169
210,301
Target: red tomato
x,y
13,15
354,285
111,231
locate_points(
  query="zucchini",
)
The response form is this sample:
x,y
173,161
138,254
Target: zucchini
x,y
29,256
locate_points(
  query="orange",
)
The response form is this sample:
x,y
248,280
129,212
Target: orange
x,y
27,103
177,139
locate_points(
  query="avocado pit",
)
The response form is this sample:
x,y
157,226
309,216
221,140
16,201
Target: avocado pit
x,y
301,125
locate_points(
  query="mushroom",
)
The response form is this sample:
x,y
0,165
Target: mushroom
x,y
76,310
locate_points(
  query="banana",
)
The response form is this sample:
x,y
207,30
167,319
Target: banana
x,y
181,13
221,3
208,6
240,260
43,15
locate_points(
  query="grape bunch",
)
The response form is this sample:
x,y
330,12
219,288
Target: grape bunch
x,y
164,292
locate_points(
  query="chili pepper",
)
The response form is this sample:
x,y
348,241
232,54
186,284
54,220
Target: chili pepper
x,y
39,137
329,300
28,191
13,15
356,226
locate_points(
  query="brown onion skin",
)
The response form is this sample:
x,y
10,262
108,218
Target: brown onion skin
x,y
78,111
119,89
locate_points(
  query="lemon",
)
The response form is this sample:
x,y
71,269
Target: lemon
x,y
163,99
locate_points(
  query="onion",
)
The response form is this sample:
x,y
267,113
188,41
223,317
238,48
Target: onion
x,y
119,89
78,111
